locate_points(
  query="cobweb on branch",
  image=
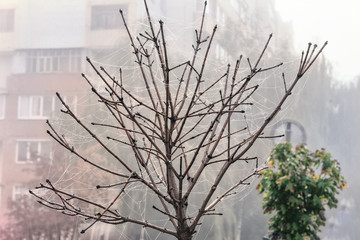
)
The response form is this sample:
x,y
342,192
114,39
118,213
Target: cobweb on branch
x,y
83,179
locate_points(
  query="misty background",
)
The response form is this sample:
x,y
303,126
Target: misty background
x,y
43,45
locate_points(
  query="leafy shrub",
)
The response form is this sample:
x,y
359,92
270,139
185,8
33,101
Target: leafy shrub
x,y
298,185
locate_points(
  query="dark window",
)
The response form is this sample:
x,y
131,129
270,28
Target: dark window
x,y
106,16
7,20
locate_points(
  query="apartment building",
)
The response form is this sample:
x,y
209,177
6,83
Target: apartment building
x,y
43,45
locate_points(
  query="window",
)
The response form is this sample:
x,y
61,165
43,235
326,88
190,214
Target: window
x,y
53,60
2,106
33,151
40,107
290,130
7,20
35,107
19,191
106,17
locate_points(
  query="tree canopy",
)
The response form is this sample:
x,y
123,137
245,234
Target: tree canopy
x,y
298,185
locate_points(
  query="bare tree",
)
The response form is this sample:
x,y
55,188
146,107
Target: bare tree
x,y
176,130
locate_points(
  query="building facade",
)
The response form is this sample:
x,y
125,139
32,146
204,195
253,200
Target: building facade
x,y
43,46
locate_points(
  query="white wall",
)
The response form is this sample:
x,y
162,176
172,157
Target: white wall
x,y
51,24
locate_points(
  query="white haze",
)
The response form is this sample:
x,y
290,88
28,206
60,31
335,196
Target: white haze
x,y
327,20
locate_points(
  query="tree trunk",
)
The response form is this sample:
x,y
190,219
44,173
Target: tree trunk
x,y
185,234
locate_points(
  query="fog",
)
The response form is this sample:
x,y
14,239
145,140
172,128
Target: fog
x,y
43,46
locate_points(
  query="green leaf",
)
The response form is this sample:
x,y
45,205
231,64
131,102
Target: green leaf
x,y
289,187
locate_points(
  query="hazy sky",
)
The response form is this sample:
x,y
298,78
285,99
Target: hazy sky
x,y
335,21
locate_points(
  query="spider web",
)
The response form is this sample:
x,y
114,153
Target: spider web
x,y
83,178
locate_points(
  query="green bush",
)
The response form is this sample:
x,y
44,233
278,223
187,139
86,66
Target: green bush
x,y
297,186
